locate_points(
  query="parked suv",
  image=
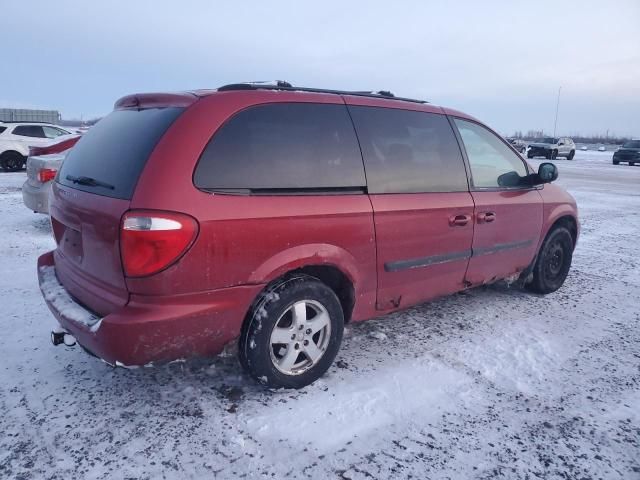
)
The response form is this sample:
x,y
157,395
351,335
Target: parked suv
x,y
17,137
269,216
629,153
519,145
552,148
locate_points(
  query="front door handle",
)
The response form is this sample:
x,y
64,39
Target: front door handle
x,y
459,220
486,217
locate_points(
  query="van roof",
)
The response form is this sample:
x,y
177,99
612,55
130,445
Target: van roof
x,y
282,85
184,99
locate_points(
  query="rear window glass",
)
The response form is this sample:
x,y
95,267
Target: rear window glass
x,y
29,131
114,151
283,146
409,152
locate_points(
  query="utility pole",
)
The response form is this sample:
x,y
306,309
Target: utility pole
x,y
555,123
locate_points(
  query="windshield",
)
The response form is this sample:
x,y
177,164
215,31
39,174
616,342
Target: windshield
x,y
632,144
546,140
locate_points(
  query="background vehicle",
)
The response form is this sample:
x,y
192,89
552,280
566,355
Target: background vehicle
x,y
551,148
43,164
17,137
519,145
629,153
268,233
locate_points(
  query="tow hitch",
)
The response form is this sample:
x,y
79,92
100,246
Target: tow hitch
x,y
60,337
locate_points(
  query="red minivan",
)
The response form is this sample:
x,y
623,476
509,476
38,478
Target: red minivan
x,y
270,216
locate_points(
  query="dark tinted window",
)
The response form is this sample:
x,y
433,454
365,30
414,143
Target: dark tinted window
x,y
115,150
29,131
406,151
293,146
2,129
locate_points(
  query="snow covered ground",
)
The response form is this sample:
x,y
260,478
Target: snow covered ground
x,y
490,383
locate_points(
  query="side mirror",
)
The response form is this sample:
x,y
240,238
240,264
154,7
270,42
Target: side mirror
x,y
510,179
547,173
560,143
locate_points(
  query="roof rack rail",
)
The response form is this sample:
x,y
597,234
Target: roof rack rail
x,y
283,85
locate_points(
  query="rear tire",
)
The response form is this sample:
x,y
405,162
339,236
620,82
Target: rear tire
x,y
631,164
12,161
553,262
572,154
292,333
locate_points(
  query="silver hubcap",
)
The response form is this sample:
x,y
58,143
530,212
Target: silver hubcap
x,y
300,337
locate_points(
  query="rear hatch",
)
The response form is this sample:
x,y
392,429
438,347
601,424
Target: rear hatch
x,y
92,191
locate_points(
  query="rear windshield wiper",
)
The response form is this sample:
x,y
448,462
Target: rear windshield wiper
x,y
91,182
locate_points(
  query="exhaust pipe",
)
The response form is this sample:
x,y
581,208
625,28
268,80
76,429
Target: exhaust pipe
x,y
62,337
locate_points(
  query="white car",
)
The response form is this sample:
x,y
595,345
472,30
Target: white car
x,y
17,137
42,167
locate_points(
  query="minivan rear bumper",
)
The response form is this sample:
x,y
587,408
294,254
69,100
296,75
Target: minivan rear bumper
x,y
150,329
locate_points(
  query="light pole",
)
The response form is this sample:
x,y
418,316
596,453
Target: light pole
x,y
555,123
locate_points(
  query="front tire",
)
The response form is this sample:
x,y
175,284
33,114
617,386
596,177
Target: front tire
x,y
572,154
553,262
292,333
554,155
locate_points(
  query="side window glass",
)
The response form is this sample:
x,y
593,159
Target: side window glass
x,y
283,146
408,151
492,163
52,132
34,131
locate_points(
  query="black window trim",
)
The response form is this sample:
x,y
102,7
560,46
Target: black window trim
x,y
472,187
284,191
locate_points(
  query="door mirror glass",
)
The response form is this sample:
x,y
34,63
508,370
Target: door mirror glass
x,y
547,172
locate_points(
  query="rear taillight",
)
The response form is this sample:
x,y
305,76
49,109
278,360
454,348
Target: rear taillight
x,y
151,241
46,174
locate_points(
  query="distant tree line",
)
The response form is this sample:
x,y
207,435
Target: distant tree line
x,y
604,139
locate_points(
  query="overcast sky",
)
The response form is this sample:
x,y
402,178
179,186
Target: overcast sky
x,y
499,61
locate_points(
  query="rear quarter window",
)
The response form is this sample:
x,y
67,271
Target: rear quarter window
x,y
279,147
115,150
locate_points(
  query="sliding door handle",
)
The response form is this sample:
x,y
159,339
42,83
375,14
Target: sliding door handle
x,y
486,217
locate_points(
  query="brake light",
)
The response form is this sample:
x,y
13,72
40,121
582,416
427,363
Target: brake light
x,y
55,148
46,174
151,241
